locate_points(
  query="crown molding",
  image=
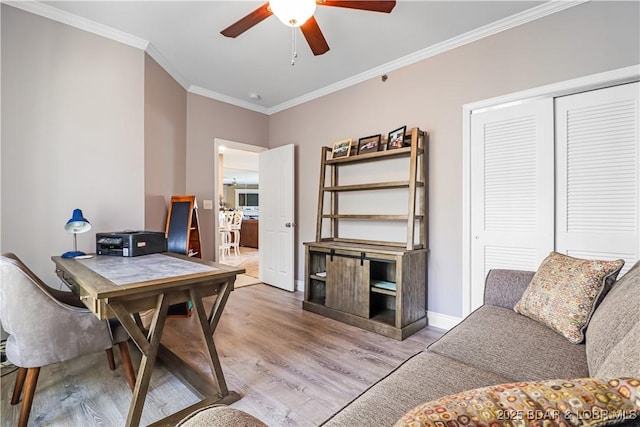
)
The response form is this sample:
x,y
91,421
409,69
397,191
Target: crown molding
x,y
227,99
76,21
168,67
521,18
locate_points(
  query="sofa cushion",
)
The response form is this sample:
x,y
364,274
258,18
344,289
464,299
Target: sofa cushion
x,y
514,346
426,376
583,401
614,319
565,291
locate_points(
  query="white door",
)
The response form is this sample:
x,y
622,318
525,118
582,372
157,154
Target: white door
x,y
597,174
276,231
511,190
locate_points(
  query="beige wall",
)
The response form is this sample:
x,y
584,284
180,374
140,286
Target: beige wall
x,y
165,145
73,106
208,119
72,137
587,39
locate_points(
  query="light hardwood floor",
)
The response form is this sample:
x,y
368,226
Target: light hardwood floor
x,y
292,367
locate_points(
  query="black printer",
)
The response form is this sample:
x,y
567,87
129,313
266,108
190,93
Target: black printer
x,y
130,243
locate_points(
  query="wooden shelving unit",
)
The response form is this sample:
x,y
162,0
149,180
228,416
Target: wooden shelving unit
x,y
378,285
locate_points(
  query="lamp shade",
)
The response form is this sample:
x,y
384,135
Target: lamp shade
x,y
77,223
293,13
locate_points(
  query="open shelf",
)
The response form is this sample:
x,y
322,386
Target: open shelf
x,y
370,217
373,186
374,156
386,316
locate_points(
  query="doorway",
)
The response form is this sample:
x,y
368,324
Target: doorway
x,y
238,199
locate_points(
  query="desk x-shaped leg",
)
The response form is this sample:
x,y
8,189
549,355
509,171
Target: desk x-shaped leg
x,y
150,344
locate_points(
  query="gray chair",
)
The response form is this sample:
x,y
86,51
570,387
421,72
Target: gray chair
x,y
47,326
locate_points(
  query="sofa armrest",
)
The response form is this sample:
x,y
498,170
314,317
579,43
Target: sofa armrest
x,y
504,288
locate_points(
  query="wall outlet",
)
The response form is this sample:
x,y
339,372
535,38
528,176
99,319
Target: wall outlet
x,y
207,204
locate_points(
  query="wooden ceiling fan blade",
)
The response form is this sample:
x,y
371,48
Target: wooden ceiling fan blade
x,y
255,17
374,6
313,34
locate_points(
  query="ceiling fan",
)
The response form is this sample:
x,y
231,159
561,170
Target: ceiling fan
x,y
299,13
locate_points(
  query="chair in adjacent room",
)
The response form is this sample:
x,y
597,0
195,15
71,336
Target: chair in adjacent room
x,y
48,326
236,225
225,219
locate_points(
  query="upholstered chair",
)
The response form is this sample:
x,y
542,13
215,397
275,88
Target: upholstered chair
x,y
47,326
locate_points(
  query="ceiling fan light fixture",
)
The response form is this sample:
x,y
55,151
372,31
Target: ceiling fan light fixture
x,y
293,13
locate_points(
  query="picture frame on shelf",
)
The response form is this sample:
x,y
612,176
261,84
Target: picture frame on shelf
x,y
396,138
369,144
354,147
341,149
383,144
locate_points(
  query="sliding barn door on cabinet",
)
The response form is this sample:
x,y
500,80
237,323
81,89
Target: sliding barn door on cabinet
x,y
511,189
597,178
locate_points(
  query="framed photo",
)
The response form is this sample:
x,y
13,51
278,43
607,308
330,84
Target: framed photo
x,y
341,149
396,138
369,144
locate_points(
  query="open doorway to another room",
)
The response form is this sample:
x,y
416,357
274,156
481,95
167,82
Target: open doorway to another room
x,y
238,196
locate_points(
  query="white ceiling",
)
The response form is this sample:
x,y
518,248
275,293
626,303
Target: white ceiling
x,y
184,37
239,167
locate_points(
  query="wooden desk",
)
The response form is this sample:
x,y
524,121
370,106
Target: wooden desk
x,y
121,287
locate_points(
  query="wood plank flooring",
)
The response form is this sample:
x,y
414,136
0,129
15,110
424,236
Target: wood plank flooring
x,y
292,367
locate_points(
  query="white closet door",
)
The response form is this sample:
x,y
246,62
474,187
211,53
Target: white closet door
x,y
597,174
511,189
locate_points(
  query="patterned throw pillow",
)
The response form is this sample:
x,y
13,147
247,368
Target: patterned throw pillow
x,y
565,291
566,403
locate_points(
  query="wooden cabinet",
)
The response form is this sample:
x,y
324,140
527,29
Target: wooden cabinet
x,y
375,284
249,233
381,289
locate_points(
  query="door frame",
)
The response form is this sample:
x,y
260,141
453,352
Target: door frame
x,y
581,84
217,142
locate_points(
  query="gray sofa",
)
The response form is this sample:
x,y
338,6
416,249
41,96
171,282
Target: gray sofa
x,y
494,345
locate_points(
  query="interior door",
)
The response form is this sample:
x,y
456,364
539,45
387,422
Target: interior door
x,y
511,190
277,209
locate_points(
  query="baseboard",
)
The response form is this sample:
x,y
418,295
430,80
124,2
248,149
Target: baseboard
x,y
442,321
300,285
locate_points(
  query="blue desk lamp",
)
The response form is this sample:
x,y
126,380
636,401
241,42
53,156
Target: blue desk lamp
x,y
77,224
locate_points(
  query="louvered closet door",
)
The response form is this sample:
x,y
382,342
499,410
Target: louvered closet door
x,y
511,189
597,174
